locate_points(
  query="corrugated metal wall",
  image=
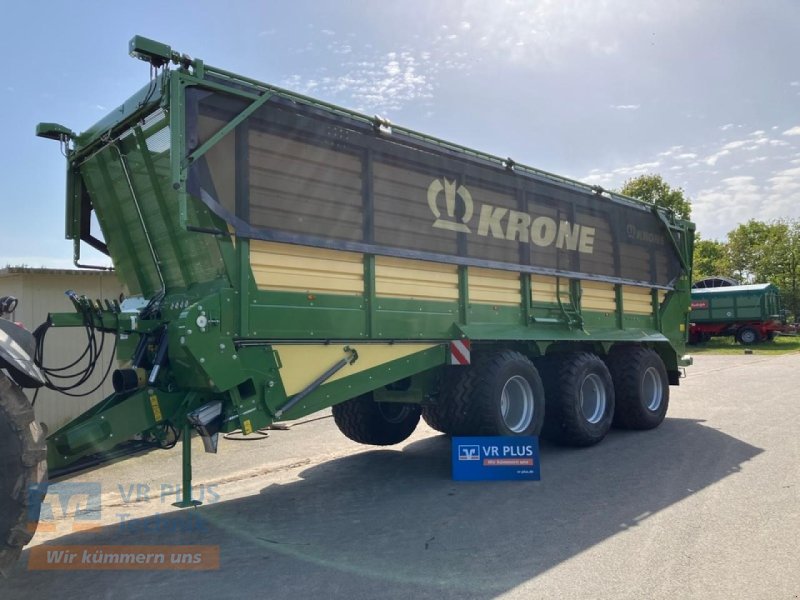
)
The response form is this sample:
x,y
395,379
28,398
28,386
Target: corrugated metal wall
x,y
41,291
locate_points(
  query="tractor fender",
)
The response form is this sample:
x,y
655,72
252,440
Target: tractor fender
x,y
17,347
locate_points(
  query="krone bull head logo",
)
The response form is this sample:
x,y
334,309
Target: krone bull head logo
x,y
450,192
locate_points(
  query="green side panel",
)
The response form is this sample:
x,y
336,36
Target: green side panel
x,y
598,321
129,185
501,315
554,333
722,306
287,315
397,318
634,322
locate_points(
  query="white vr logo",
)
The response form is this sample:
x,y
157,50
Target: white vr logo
x,y
469,453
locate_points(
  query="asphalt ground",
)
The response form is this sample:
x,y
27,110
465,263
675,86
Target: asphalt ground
x,y
705,506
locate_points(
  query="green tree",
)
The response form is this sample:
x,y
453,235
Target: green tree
x,y
768,253
710,259
653,189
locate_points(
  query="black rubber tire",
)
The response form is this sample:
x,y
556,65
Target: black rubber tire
x,y
630,368
451,414
747,336
565,422
23,472
494,372
472,403
376,423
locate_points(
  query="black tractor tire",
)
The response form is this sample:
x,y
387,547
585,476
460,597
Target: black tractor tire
x,y
747,336
23,472
451,414
376,423
580,399
641,387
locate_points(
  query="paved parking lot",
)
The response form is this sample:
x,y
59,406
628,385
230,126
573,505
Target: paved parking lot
x,y
706,506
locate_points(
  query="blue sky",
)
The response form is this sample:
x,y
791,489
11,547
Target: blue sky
x,y
705,93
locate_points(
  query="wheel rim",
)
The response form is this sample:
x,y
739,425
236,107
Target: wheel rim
x,y
393,412
593,398
517,404
748,336
652,389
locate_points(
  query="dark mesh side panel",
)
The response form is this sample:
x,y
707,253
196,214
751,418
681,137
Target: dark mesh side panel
x,y
305,189
301,174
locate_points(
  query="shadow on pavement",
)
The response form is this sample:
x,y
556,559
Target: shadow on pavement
x,y
393,521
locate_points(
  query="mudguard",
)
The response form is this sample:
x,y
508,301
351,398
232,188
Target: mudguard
x,y
17,347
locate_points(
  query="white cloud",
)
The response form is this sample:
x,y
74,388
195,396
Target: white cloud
x,y
734,145
385,83
626,106
793,131
712,160
727,181
727,126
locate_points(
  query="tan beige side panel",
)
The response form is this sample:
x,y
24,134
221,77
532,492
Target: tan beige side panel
x,y
637,300
598,296
544,289
292,268
492,286
415,279
302,364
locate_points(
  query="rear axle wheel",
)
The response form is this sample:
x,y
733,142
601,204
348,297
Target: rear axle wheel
x,y
580,399
641,386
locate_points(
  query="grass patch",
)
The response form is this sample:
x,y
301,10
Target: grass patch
x,y
727,345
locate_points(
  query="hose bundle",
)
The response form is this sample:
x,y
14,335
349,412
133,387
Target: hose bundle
x,y
67,378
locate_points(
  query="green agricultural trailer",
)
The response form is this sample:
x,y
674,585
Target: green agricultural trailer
x,y
283,255
750,313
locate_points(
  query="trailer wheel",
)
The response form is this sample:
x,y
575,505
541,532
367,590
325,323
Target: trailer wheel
x,y
641,387
748,336
452,414
376,423
580,399
508,397
23,472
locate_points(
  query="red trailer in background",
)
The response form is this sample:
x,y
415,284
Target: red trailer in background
x,y
750,313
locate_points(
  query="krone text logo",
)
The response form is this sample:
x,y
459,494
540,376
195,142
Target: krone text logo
x,y
504,223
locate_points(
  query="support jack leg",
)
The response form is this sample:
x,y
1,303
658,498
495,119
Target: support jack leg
x,y
186,487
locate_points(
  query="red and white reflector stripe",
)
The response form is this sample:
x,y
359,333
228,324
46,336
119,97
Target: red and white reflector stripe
x,y
459,352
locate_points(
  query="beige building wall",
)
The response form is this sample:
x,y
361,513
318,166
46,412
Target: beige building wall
x,y
41,291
